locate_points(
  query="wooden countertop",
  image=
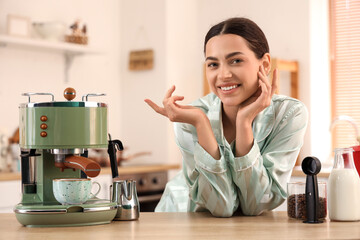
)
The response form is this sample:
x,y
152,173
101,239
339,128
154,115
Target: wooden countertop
x,y
10,176
194,226
107,170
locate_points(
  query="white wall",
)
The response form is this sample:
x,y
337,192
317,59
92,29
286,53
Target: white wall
x,y
175,31
143,26
185,58
319,84
41,71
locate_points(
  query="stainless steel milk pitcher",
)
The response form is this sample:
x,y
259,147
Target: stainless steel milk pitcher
x,y
124,193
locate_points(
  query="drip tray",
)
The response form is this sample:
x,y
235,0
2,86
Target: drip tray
x,y
93,212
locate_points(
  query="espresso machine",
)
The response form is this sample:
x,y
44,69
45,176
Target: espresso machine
x,y
54,139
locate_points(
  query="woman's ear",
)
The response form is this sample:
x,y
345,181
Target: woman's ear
x,y
266,62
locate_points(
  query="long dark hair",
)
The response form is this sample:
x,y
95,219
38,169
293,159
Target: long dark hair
x,y
244,28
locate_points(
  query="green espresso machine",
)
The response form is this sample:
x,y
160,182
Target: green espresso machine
x,y
54,141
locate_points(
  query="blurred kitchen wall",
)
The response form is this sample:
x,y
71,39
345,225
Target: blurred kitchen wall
x,y
33,70
296,30
174,30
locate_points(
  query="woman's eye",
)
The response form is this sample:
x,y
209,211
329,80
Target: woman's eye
x,y
234,61
212,65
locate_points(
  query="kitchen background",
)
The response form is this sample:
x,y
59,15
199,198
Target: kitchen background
x,y
174,30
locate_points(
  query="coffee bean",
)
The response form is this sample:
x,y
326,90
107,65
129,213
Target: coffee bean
x,y
296,206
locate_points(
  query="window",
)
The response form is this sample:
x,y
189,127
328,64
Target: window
x,y
345,68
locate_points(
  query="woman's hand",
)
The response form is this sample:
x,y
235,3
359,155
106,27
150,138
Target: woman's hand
x,y
261,99
176,112
249,109
191,115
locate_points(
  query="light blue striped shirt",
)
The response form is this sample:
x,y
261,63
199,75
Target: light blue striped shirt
x,y
252,183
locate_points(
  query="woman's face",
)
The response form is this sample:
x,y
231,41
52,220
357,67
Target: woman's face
x,y
231,68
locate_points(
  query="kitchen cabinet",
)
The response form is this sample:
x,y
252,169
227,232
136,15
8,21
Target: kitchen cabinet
x,y
69,50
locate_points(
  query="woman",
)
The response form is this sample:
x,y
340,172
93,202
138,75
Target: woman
x,y
240,142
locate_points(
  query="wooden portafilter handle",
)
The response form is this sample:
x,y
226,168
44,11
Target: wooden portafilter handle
x,y
88,166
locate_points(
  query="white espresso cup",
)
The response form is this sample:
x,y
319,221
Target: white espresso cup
x,y
69,191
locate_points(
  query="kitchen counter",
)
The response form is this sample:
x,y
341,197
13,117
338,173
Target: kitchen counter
x,y
270,225
107,170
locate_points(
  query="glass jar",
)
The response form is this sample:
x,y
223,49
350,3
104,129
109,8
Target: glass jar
x,y
344,187
296,200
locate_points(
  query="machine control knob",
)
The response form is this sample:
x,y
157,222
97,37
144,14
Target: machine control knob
x,y
142,182
155,180
43,134
43,118
43,126
69,93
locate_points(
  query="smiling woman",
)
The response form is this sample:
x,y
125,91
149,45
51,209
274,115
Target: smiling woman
x,y
240,142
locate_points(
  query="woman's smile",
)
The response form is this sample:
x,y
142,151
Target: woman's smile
x,y
229,88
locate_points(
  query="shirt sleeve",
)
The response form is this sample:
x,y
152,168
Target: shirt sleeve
x,y
261,175
209,180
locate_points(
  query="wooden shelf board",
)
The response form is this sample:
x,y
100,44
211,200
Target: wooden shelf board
x,y
33,43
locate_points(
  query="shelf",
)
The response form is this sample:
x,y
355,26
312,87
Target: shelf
x,y
39,44
70,50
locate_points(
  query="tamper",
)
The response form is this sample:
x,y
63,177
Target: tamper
x,y
311,166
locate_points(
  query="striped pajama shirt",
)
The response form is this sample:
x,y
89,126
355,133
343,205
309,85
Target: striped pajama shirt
x,y
250,184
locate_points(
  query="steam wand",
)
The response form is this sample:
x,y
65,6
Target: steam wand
x,y
113,144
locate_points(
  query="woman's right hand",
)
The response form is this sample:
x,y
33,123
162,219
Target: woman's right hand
x,y
191,115
176,112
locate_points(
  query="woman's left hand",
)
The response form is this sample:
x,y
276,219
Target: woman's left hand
x,y
261,99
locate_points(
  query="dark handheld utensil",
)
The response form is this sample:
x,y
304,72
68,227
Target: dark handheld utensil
x,y
113,144
311,166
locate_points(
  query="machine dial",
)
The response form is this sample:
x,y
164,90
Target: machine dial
x,y
155,180
43,118
142,182
69,93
